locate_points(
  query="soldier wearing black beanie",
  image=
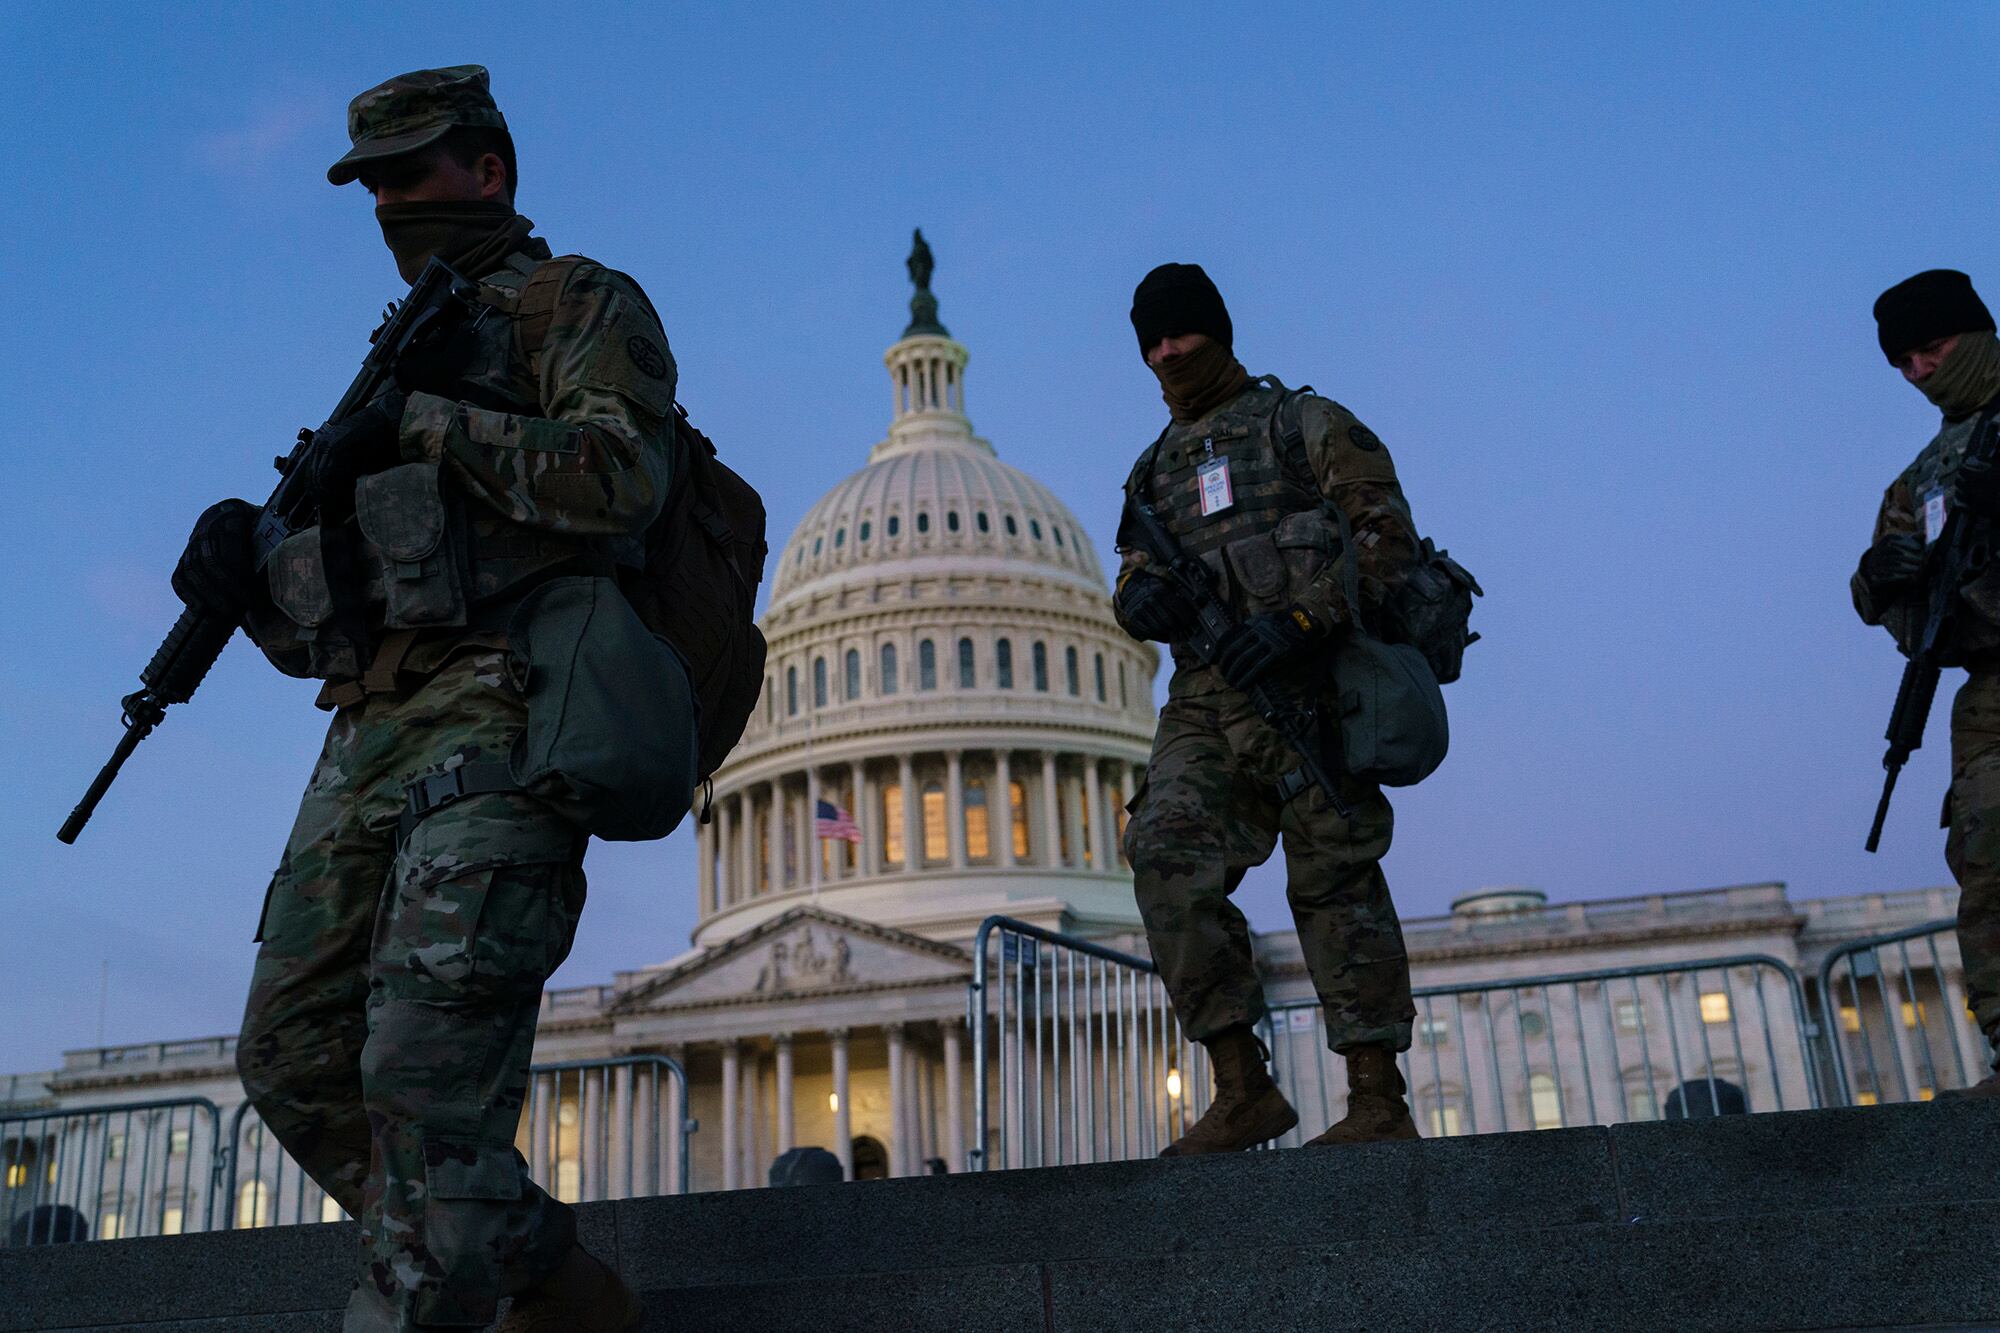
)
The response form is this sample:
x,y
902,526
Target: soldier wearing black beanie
x,y
1935,330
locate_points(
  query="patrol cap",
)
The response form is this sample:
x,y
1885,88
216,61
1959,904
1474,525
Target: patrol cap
x,y
413,111
1933,304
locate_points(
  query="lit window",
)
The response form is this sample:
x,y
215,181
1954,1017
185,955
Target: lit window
x,y
114,1148
1913,1014
819,682
892,823
965,674
1173,1085
1865,1099
926,665
1042,667
1017,797
935,848
1628,1015
1532,1023
569,1180
1070,671
1444,1121
1546,1100
1003,664
1850,1018
1434,1031
888,668
1714,1006
253,1204
978,838
17,1175
110,1225
330,1209
171,1221
1925,1094
178,1141
851,673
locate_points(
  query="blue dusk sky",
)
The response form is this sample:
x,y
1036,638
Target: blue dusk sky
x,y
1600,276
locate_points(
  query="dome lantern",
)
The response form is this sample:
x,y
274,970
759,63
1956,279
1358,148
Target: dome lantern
x,y
926,370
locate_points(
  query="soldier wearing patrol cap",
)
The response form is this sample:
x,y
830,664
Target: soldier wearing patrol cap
x,y
1243,477
424,895
1934,329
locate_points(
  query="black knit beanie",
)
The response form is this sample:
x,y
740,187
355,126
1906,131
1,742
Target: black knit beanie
x,y
1176,299
1934,304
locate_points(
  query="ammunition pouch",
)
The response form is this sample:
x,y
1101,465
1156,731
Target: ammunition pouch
x,y
416,555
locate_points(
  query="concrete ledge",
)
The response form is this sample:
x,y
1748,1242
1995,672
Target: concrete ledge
x,y
1885,1217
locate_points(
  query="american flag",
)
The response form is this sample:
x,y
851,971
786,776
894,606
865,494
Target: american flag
x,y
831,821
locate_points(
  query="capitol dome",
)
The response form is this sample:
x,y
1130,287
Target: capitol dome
x,y
945,675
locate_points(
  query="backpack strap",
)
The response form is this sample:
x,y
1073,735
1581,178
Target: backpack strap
x,y
1288,426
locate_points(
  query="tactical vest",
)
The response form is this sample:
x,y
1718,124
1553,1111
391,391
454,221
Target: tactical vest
x,y
426,559
1275,537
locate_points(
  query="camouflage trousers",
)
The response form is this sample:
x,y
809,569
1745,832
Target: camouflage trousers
x,y
1207,812
392,1010
1972,848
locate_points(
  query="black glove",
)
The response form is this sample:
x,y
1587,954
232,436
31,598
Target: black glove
x,y
217,572
1891,566
1155,608
350,449
1976,486
1264,644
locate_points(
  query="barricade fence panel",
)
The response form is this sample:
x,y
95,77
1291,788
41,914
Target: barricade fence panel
x,y
107,1172
1896,1022
1077,1056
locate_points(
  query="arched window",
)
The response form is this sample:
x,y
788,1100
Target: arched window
x,y
851,671
1017,796
791,691
1042,667
892,824
770,700
819,682
1123,702
951,520
1545,1099
1013,530
871,1159
981,521
840,538
1099,659
888,668
818,542
965,673
926,665
1003,664
866,528
978,829
923,520
935,846
1070,672
1035,529
895,524
1054,531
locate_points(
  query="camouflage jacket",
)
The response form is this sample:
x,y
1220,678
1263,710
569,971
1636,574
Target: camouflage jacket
x,y
1902,511
1274,545
520,464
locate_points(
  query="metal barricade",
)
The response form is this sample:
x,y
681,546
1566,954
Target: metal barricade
x,y
590,1130
1078,1046
1668,1040
1895,1017
105,1172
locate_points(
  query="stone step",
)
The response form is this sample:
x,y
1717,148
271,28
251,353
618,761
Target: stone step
x,y
1883,1217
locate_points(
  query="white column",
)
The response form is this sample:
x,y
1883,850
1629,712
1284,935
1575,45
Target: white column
x,y
1968,1040
747,857
619,1108
1093,791
786,1121
1051,818
1072,800
674,1114
913,817
645,1132
899,1111
704,870
812,837
725,848
1002,800
954,1098
843,1105
774,852
752,1104
954,807
857,797
732,1112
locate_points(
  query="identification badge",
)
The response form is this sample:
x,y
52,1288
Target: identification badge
x,y
1933,515
1216,492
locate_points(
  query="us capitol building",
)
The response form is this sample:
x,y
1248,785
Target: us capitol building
x,y
944,667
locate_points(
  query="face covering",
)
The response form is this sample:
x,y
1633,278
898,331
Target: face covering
x,y
464,233
1969,376
1196,383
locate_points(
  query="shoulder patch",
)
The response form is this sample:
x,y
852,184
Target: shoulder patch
x,y
648,357
1363,438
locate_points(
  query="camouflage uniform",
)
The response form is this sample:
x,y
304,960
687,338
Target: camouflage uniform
x,y
1209,808
392,1011
1972,806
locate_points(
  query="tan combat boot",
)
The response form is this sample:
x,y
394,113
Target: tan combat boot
x,y
1376,1111
584,1295
1248,1108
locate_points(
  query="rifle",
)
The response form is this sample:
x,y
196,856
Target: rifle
x,y
1959,555
439,305
1295,719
